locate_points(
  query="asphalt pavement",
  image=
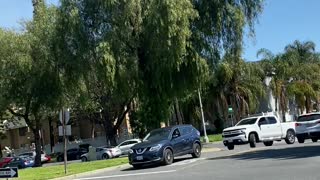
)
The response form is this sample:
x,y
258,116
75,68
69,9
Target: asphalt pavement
x,y
278,162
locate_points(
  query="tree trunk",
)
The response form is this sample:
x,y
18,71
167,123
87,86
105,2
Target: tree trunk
x,y
177,111
37,139
93,126
109,129
283,116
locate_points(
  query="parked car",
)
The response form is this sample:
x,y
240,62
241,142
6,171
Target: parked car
x,y
126,145
44,157
102,153
308,127
264,128
21,162
164,144
72,154
5,161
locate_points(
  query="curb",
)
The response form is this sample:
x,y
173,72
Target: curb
x,y
206,150
92,172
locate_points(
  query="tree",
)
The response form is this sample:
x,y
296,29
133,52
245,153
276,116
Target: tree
x,y
238,84
104,51
296,75
31,85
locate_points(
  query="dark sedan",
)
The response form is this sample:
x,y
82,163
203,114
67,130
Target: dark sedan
x,y
72,154
20,162
164,144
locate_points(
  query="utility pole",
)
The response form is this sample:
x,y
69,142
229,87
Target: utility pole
x,y
206,139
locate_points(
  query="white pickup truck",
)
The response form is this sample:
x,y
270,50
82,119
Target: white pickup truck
x,y
264,128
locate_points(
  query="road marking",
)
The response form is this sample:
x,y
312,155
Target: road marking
x,y
184,162
126,175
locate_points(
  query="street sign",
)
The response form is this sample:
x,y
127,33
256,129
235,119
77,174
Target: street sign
x,y
8,172
66,113
230,110
68,130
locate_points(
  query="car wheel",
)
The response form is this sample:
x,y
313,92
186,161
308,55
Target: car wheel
x,y
301,140
268,143
314,139
252,140
19,167
105,156
84,159
196,150
167,157
137,166
230,146
59,159
290,137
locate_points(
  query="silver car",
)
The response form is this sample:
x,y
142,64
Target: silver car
x,y
126,145
308,127
101,152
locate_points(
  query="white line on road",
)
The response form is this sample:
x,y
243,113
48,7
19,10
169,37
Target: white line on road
x,y
126,175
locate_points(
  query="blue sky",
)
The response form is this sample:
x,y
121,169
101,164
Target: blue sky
x,y
281,22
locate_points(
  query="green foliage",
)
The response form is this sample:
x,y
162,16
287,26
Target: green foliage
x,y
296,75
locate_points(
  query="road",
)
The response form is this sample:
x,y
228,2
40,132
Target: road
x,y
281,161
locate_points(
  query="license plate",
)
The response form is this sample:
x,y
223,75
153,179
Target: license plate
x,y
230,140
139,158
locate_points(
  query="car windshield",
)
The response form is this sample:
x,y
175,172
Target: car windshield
x,y
308,117
247,121
158,134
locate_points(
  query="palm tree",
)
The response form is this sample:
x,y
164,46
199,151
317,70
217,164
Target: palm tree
x,y
304,50
237,83
305,73
275,66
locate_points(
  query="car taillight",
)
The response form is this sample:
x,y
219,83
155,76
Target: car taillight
x,y
297,124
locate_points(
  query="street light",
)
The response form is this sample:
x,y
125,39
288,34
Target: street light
x,y
206,139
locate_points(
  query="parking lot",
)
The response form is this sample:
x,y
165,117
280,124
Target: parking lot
x,y
281,161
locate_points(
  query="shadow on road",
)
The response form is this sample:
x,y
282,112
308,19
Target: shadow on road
x,y
176,160
280,154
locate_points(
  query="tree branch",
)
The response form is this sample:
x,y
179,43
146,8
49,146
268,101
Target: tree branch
x,y
123,115
15,113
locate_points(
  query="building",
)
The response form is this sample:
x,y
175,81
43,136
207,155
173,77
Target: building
x,y
19,137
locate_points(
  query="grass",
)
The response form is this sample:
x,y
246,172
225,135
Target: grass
x,y
214,137
58,171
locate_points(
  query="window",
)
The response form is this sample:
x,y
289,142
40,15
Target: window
x,y
247,121
132,142
125,143
185,130
176,133
309,117
23,131
72,150
263,121
272,120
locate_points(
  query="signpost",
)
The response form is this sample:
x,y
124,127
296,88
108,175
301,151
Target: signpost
x,y
64,117
8,172
230,111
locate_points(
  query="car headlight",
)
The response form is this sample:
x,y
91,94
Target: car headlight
x,y
155,148
243,131
130,151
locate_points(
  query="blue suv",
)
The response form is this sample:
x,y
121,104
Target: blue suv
x,y
162,145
